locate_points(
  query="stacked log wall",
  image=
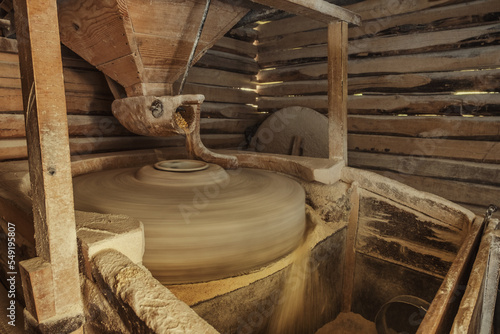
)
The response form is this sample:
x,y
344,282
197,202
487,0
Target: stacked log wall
x,y
225,75
424,83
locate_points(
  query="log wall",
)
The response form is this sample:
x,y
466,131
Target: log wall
x,y
424,102
225,75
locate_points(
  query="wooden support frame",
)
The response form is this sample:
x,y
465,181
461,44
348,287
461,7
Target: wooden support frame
x,y
50,173
337,90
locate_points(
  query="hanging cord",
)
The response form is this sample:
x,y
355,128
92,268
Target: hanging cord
x,y
195,45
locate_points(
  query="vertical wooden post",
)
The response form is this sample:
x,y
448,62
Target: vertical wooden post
x,y
50,169
337,90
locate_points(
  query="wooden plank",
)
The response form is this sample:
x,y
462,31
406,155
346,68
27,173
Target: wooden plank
x,y
245,33
456,191
11,101
290,41
215,77
401,235
470,104
233,126
236,46
165,39
8,45
316,10
85,82
90,29
78,125
230,110
465,171
308,87
373,9
49,157
9,57
290,25
429,204
214,60
11,149
9,69
437,82
458,60
227,61
427,127
461,14
447,299
337,91
222,94
473,58
311,45
477,308
82,104
481,151
319,103
427,41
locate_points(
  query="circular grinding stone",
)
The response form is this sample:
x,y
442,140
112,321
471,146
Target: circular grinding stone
x,y
277,133
201,225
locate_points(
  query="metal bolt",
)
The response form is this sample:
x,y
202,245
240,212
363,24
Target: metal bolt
x,y
156,108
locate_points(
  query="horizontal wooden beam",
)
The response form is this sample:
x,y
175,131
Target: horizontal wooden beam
x,y
465,171
449,105
456,60
11,149
481,151
437,82
315,9
456,191
427,127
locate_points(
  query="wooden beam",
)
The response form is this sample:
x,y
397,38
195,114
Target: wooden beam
x,y
315,9
444,306
49,160
477,308
337,90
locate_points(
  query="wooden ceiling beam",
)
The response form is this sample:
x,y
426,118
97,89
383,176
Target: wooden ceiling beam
x,y
319,10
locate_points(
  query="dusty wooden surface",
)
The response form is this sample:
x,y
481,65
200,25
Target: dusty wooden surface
x,y
445,304
477,308
337,91
50,168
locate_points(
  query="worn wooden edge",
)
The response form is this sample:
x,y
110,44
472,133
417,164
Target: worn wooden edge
x,y
441,309
429,204
475,313
308,169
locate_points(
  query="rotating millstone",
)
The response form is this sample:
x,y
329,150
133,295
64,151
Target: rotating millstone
x,y
200,221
